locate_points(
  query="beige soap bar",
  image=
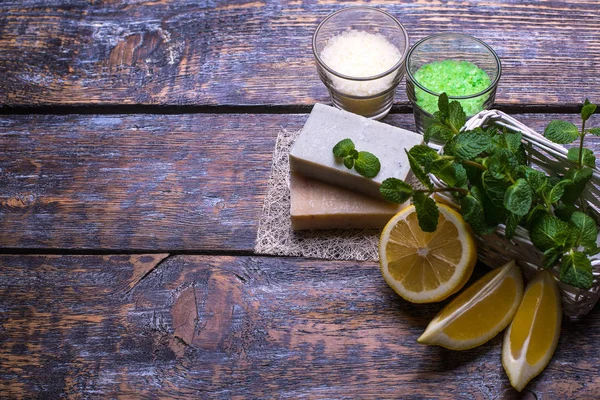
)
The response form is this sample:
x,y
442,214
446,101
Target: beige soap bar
x,y
312,154
317,205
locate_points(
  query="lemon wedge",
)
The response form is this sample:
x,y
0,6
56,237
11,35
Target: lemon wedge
x,y
425,267
479,313
531,339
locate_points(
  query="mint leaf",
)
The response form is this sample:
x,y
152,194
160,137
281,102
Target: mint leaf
x,y
495,188
460,175
558,190
585,230
450,172
367,164
469,144
593,131
437,130
343,148
562,132
588,156
494,215
443,107
456,115
349,162
418,171
518,198
427,212
579,175
521,156
502,163
424,155
438,166
537,180
564,211
395,190
534,214
551,257
512,221
592,251
587,110
513,141
548,231
579,178
576,270
472,211
353,153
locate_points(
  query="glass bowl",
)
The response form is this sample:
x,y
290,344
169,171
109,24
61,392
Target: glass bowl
x,y
370,95
453,63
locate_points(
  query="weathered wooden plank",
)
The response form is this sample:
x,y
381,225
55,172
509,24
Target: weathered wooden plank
x,y
226,52
135,182
166,182
233,327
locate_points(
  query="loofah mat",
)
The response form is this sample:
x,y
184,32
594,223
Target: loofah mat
x,y
275,234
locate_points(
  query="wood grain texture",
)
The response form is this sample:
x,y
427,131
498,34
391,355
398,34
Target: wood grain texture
x,y
244,327
150,182
145,182
224,52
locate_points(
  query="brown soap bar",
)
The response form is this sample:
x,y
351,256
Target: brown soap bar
x,y
318,205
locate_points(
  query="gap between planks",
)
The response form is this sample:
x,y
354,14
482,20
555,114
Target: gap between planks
x,y
106,252
110,109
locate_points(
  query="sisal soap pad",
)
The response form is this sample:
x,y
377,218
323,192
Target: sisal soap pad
x,y
318,205
312,154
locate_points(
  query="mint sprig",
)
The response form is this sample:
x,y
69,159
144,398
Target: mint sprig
x,y
365,163
487,172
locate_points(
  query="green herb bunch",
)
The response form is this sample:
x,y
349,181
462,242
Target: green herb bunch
x,y
487,172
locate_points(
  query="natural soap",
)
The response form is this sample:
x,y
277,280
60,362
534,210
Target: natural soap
x,y
318,205
312,154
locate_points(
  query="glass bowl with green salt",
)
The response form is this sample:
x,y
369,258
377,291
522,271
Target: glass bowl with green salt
x,y
462,66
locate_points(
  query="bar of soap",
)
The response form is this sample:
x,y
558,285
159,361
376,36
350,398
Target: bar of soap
x,y
318,205
312,154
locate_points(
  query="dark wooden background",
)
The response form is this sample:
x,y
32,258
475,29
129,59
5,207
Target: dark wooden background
x,y
135,148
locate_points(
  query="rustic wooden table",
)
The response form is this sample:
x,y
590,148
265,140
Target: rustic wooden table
x,y
135,148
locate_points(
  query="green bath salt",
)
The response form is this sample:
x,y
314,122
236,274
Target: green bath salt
x,y
456,78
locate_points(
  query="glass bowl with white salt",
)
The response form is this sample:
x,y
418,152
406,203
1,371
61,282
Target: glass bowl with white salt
x,y
360,53
465,68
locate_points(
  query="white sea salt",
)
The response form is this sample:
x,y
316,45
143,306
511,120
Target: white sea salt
x,y
360,54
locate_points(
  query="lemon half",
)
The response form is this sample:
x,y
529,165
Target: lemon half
x,y
424,267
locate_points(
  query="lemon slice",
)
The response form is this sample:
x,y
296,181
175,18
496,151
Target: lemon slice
x,y
532,337
480,312
425,267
